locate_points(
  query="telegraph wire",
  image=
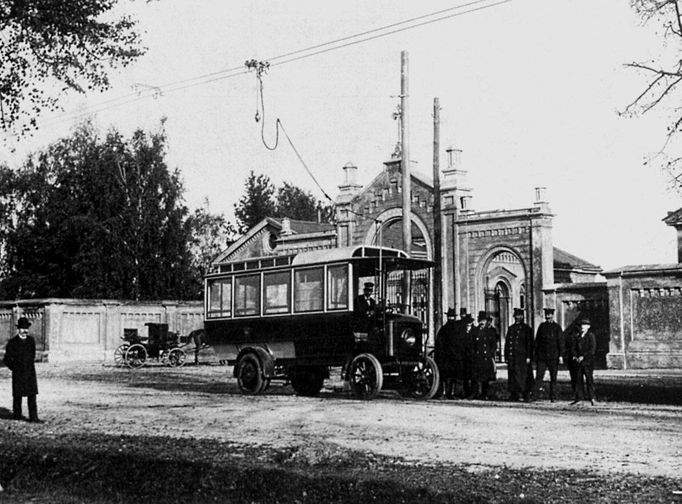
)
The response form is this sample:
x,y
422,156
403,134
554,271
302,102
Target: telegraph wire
x,y
236,71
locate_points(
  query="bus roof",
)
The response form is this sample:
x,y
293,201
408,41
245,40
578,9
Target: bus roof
x,y
345,254
360,253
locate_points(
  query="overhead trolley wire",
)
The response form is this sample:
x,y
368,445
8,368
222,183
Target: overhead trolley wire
x,y
155,91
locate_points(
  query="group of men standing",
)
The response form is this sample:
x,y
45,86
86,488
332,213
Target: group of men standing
x,y
466,353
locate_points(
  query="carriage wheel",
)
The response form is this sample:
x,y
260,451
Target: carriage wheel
x,y
136,355
307,381
366,376
176,357
422,380
120,355
250,374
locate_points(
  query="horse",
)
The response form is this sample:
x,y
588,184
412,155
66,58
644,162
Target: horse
x,y
198,336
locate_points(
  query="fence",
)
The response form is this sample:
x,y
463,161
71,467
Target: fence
x,y
77,329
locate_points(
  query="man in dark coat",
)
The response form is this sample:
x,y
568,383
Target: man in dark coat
x,y
462,351
20,354
483,346
584,346
549,350
444,356
518,350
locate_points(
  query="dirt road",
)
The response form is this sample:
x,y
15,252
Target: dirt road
x,y
203,402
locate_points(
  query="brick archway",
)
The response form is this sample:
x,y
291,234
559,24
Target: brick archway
x,y
390,216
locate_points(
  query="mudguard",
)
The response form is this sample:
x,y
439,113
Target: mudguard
x,y
267,360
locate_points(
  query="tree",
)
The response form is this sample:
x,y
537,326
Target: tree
x,y
100,218
257,202
295,203
53,40
664,80
211,234
261,199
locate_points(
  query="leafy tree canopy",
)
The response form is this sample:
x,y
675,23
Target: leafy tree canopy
x,y
72,42
262,199
101,218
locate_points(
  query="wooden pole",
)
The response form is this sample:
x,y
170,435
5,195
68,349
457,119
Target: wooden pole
x,y
405,154
437,224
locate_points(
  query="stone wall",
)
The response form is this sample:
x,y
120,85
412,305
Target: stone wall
x,y
576,301
646,316
73,329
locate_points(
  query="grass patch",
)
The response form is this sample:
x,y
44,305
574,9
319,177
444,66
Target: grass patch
x,y
117,469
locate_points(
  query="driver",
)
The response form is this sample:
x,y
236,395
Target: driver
x,y
366,305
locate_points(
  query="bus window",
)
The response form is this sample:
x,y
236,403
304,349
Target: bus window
x,y
220,298
308,290
337,287
247,295
277,287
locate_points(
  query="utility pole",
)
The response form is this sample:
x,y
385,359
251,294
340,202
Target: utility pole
x,y
405,154
437,227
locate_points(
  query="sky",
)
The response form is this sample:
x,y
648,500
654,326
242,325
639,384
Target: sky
x,y
530,90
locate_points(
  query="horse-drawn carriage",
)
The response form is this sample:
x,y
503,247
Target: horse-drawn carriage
x,y
159,343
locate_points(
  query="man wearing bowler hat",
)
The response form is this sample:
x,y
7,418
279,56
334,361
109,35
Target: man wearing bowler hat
x,y
549,349
20,354
584,346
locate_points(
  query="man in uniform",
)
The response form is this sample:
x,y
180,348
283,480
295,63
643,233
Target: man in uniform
x,y
462,351
20,354
549,350
518,350
483,346
444,355
584,346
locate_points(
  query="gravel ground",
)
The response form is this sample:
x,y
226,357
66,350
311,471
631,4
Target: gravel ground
x,y
614,440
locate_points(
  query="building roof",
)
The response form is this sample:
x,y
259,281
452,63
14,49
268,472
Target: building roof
x,y
307,227
673,218
564,260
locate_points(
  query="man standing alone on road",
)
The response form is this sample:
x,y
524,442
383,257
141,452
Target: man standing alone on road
x,y
20,354
549,349
518,350
584,346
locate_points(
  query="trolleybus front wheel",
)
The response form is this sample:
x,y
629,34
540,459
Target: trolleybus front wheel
x,y
250,374
366,376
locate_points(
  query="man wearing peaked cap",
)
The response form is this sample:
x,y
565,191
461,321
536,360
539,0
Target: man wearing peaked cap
x,y
483,347
549,349
20,354
518,350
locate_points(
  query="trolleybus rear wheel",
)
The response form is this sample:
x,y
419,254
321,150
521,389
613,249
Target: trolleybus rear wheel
x,y
307,381
176,357
421,381
120,355
366,376
250,374
136,355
